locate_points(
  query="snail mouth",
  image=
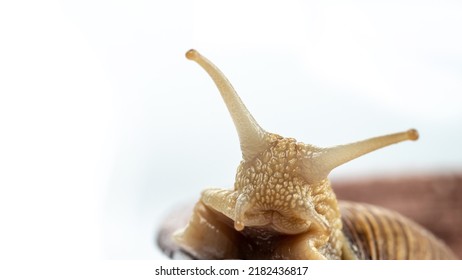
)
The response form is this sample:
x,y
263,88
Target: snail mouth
x,y
289,225
275,221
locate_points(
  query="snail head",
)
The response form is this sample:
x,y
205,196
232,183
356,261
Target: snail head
x,y
280,183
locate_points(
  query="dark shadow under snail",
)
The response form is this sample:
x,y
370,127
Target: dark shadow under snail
x,y
282,205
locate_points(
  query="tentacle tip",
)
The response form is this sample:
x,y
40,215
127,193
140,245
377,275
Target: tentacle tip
x,y
177,236
238,225
192,54
413,134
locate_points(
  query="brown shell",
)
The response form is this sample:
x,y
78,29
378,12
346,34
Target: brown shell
x,y
432,200
374,232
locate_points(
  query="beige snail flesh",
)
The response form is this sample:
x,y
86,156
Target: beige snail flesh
x,y
282,205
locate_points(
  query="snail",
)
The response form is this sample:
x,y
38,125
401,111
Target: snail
x,y
282,205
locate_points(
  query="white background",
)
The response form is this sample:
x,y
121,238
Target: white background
x,y
105,126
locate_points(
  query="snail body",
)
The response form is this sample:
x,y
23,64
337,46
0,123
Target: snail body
x,y
282,205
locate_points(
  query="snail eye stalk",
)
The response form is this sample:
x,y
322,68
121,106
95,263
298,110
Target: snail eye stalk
x,y
251,136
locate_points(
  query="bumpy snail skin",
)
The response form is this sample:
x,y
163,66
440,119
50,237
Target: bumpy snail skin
x,y
282,205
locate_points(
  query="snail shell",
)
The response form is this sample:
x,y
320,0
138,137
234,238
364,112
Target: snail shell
x,y
283,207
375,233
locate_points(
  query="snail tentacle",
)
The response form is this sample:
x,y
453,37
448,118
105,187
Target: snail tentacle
x,y
222,201
252,137
207,236
319,162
